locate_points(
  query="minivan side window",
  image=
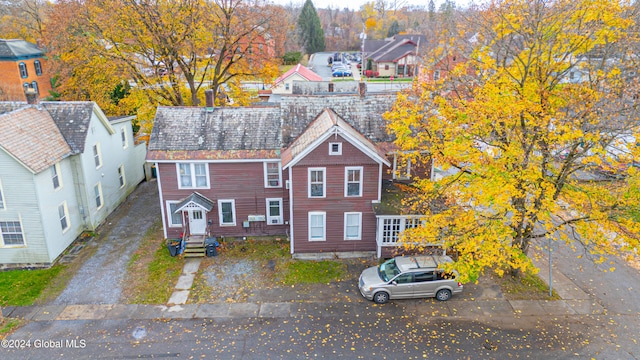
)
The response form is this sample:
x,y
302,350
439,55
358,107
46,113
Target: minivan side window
x,y
424,276
403,279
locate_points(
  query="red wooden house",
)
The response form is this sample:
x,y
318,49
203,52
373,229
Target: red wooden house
x,y
310,168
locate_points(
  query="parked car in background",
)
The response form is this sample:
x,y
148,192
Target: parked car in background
x,y
341,72
406,277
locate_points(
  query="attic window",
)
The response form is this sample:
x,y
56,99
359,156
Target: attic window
x,y
335,148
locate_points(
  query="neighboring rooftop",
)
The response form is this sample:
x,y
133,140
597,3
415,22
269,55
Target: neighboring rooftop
x,y
302,71
15,49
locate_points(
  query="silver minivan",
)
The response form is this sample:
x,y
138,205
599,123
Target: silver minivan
x,y
407,277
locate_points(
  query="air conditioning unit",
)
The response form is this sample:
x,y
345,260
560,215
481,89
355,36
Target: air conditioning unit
x,y
256,218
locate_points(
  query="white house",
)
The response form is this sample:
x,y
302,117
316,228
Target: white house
x,y
64,167
284,84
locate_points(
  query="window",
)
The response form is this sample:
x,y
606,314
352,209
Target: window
x,y
317,226
227,212
335,148
286,86
121,177
63,215
97,157
423,276
386,66
1,197
23,70
404,278
274,211
191,173
38,66
436,75
272,174
353,181
352,226
317,184
401,169
26,87
123,136
34,85
97,191
175,219
55,176
11,233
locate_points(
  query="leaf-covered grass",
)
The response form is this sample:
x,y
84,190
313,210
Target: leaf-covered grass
x,y
526,287
263,248
152,272
25,287
312,272
9,326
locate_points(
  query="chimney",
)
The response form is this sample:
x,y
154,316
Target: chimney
x,y
32,96
208,95
331,87
362,88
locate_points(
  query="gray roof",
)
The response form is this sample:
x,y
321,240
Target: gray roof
x,y
181,133
15,49
73,120
197,199
224,128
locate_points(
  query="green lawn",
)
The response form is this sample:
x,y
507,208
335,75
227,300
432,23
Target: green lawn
x,y
24,287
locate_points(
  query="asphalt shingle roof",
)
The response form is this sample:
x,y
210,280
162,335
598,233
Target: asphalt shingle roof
x,y
31,136
73,120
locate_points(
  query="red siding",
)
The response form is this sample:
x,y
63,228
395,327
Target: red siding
x,y
335,204
242,182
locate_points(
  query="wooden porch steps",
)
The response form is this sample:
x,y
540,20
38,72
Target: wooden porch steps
x,y
194,246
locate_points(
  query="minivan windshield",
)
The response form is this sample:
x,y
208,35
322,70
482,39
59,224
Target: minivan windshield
x,y
388,270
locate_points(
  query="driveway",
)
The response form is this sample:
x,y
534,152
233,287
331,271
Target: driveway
x,y
100,279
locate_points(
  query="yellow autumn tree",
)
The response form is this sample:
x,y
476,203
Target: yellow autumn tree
x,y
533,137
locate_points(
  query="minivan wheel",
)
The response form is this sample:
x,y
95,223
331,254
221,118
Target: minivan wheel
x,y
443,295
381,297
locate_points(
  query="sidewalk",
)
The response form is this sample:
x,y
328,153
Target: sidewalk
x,y
574,302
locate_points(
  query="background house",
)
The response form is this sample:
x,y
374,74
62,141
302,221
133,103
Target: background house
x,y
309,168
22,67
299,73
397,56
63,168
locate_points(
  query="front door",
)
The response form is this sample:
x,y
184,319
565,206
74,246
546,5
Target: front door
x,y
197,222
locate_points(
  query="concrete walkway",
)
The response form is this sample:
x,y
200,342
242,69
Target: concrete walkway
x,y
185,281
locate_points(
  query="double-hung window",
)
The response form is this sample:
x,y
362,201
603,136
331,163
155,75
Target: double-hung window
x,y
97,156
2,205
175,219
353,181
63,215
352,226
121,177
272,174
38,66
193,176
97,191
11,233
317,226
227,212
317,182
55,176
23,70
274,211
123,136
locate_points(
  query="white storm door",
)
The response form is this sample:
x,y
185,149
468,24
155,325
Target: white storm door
x,y
197,222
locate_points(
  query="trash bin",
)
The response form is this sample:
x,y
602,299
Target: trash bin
x,y
211,246
174,246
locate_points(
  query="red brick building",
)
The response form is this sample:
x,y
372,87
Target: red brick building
x,y
22,68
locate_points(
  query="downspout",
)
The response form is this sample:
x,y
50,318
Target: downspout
x,y
162,209
291,248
